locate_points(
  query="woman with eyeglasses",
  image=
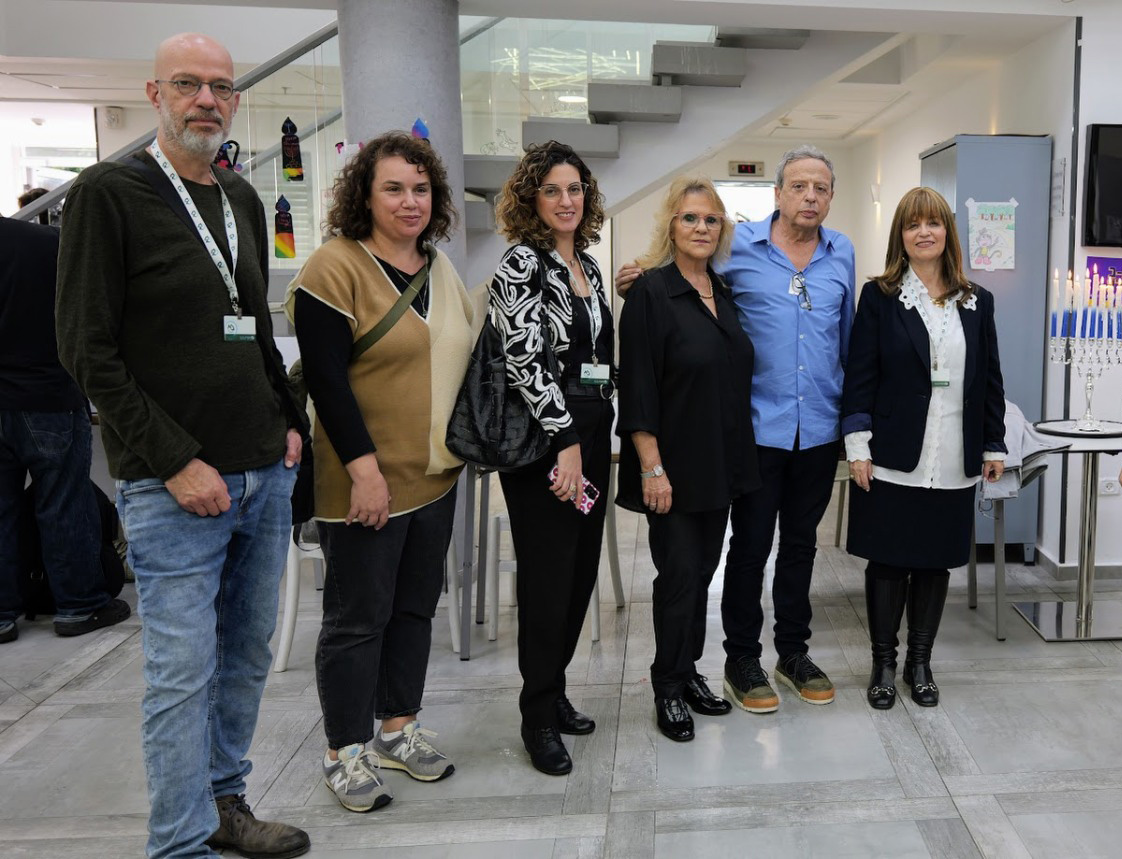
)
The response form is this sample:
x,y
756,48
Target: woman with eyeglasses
x,y
923,411
548,294
685,424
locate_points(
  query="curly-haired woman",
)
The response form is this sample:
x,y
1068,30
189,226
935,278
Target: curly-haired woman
x,y
384,481
548,294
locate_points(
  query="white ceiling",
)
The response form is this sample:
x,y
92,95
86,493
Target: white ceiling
x,y
956,39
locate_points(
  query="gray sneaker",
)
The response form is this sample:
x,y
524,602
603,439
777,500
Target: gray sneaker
x,y
412,752
355,780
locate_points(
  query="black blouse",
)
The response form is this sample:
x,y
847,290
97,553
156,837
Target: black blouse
x,y
685,377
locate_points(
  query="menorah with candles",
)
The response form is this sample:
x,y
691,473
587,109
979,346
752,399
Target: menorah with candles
x,y
1086,332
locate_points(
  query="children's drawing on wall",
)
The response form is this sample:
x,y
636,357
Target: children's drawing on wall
x,y
992,231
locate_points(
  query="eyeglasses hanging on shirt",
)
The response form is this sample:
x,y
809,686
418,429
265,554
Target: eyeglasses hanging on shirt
x,y
798,287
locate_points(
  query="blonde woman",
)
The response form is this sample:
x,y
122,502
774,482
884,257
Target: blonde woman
x,y
685,424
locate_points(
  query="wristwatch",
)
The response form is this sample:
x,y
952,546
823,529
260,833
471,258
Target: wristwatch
x,y
654,472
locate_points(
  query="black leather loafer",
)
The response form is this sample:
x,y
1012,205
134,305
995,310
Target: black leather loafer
x,y
547,753
881,693
570,720
924,691
674,720
701,698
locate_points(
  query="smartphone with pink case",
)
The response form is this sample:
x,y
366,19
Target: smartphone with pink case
x,y
591,493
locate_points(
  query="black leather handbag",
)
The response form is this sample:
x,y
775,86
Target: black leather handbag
x,y
492,426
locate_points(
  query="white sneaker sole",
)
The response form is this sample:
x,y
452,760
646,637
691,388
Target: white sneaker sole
x,y
380,801
732,695
389,763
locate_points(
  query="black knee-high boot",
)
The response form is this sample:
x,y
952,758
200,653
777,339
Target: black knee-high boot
x,y
926,596
886,590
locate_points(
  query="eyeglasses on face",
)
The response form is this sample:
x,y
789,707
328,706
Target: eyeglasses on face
x,y
798,286
574,190
189,87
691,219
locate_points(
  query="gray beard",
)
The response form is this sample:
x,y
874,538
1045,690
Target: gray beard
x,y
193,142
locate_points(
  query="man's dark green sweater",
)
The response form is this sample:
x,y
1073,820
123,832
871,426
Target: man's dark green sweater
x,y
139,320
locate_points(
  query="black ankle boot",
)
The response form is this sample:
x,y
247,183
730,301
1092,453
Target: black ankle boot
x,y
926,596
884,601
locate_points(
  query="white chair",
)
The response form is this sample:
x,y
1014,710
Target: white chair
x,y
297,555
497,564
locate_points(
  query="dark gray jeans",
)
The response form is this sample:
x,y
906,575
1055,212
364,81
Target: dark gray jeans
x,y
379,598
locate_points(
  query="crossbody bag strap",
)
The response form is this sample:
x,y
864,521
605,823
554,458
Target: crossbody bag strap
x,y
390,319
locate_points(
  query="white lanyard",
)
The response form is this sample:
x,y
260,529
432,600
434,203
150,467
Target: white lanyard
x,y
203,229
592,302
937,344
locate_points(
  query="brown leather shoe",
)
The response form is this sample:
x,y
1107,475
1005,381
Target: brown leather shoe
x,y
256,839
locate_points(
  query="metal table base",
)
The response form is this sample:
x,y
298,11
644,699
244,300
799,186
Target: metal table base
x,y
1066,620
1057,620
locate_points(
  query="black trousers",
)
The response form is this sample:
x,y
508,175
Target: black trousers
x,y
686,549
796,487
557,549
379,598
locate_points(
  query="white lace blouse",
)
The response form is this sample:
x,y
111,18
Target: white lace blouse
x,y
941,458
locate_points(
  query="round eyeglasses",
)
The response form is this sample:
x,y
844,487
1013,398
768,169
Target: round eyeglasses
x,y
189,87
574,190
691,219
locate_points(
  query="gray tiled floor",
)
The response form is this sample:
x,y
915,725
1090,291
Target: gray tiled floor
x,y
1023,759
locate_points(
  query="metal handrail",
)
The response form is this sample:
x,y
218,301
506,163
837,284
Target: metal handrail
x,y
32,210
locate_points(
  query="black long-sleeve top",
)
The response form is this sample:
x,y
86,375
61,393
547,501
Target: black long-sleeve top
x,y
686,378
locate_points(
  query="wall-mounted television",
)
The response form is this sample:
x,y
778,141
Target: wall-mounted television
x,y
1102,191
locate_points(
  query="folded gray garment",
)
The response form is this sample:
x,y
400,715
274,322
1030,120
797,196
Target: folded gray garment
x,y
1025,459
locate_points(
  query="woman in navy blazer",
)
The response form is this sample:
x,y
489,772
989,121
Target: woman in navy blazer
x,y
923,414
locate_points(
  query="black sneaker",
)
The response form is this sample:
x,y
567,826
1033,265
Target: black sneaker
x,y
804,677
746,685
112,612
8,631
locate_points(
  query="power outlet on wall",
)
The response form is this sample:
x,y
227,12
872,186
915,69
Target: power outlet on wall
x,y
1109,486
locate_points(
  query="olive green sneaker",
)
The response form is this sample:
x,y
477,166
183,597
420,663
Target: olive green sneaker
x,y
804,677
746,685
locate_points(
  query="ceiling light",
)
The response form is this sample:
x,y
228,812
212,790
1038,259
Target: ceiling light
x,y
826,116
572,99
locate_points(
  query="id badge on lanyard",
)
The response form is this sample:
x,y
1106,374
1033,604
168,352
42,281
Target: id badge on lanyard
x,y
235,327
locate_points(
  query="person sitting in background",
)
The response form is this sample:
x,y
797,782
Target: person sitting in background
x,y
685,422
923,412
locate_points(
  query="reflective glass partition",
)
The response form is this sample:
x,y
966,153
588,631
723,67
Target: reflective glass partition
x,y
296,108
523,67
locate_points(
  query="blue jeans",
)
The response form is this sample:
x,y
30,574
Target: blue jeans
x,y
207,588
54,447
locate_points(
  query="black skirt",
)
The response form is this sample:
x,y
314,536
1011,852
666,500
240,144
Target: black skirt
x,y
909,526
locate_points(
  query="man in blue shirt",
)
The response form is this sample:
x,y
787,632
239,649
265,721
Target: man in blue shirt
x,y
793,284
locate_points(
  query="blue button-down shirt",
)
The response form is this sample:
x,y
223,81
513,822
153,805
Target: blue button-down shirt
x,y
800,354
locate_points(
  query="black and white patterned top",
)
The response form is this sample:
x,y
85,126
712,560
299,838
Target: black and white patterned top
x,y
519,301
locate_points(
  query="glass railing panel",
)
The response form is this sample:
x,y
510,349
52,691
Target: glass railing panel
x,y
530,67
303,98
